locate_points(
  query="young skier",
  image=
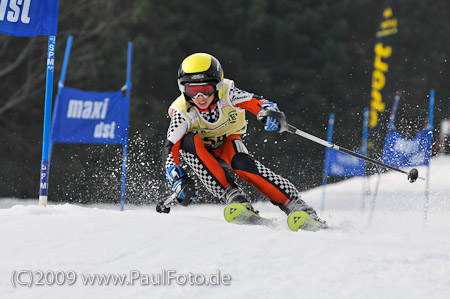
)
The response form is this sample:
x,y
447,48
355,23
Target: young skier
x,y
207,120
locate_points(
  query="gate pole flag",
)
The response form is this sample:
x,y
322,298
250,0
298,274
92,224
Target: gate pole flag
x,y
30,18
92,117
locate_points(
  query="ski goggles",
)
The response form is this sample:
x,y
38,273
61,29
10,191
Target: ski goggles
x,y
193,90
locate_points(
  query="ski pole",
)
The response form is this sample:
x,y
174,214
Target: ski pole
x,y
413,174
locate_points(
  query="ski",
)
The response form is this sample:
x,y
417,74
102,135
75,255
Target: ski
x,y
304,221
239,213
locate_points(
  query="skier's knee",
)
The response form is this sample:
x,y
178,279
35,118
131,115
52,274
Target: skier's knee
x,y
188,142
245,162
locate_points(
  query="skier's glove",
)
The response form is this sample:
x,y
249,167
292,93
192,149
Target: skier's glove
x,y
183,187
270,123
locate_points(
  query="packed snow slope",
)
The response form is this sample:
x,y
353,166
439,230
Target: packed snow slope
x,y
390,253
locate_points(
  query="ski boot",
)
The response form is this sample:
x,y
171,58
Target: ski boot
x,y
303,216
234,194
240,211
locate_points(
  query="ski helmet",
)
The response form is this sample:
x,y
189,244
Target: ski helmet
x,y
200,68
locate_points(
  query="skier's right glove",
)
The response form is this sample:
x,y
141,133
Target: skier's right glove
x,y
272,117
183,187
270,123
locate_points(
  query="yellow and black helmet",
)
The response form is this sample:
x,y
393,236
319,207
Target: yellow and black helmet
x,y
200,68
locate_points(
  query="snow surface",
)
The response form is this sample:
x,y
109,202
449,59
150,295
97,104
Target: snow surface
x,y
394,254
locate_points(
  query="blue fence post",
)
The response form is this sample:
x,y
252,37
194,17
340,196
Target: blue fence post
x,y
62,80
327,160
393,113
430,133
364,152
125,144
43,187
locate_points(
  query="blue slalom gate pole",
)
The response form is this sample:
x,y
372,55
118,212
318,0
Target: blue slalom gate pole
x,y
327,160
43,187
62,79
125,144
394,111
364,152
430,132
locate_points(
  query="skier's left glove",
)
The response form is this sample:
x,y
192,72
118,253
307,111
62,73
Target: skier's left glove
x,y
183,186
270,123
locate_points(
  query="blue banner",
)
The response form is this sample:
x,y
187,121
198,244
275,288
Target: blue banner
x,y
90,117
401,152
344,165
29,17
